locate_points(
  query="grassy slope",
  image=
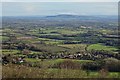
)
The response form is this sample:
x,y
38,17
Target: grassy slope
x,y
19,71
49,63
81,46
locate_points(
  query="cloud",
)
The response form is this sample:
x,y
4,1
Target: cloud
x,y
29,7
68,13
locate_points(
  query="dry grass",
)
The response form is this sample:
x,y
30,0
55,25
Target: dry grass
x,y
20,71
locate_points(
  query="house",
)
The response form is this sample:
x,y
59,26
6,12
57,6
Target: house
x,y
17,60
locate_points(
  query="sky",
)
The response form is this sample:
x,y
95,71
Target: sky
x,y
60,0
17,8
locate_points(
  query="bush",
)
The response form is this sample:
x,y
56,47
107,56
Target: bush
x,y
97,65
67,64
112,64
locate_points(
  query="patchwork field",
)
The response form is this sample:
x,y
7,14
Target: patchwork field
x,y
45,47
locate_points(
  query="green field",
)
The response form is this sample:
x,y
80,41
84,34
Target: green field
x,y
101,47
6,51
72,46
4,38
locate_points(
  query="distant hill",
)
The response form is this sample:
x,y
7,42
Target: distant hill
x,y
84,17
61,20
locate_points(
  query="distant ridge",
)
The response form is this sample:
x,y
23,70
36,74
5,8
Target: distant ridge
x,y
82,16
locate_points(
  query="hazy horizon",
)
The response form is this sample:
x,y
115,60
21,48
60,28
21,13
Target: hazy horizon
x,y
48,8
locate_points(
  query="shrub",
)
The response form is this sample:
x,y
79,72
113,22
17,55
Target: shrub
x,y
103,73
112,64
97,65
67,64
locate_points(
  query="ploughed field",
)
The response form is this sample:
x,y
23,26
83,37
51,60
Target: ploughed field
x,y
60,52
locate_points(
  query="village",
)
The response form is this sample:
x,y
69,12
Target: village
x,y
95,55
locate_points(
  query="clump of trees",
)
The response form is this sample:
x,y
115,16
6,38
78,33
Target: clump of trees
x,y
96,65
112,64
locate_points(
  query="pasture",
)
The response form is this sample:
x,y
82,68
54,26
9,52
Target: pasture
x,y
101,47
